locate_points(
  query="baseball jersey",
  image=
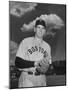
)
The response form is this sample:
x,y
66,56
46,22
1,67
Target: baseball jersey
x,y
33,49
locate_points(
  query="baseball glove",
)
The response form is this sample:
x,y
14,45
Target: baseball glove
x,y
42,67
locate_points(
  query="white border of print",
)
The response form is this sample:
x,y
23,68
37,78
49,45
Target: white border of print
x,y
4,43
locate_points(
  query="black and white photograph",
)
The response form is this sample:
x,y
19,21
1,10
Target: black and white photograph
x,y
37,44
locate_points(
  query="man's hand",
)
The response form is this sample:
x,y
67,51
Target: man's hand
x,y
42,66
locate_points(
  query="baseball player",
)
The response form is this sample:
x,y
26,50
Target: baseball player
x,y
33,58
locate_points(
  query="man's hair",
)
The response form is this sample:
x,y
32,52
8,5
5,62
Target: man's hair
x,y
40,22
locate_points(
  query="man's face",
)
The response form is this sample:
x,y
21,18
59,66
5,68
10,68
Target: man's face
x,y
40,31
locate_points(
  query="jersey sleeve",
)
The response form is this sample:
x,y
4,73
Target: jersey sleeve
x,y
48,54
21,52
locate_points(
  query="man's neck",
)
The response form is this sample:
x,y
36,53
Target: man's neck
x,y
37,38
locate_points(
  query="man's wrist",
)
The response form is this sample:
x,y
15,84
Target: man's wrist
x,y
35,64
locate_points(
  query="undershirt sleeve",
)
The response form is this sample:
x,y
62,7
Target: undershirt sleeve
x,y
21,63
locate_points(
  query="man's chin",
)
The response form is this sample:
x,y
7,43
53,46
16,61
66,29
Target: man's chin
x,y
39,36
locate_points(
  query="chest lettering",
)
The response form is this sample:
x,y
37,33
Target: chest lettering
x,y
36,48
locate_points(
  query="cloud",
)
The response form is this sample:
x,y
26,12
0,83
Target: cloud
x,y
20,8
13,47
13,50
52,21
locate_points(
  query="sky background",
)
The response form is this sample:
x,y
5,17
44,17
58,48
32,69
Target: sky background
x,y
25,13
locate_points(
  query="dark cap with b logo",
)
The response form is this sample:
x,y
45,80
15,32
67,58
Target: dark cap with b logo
x,y
40,22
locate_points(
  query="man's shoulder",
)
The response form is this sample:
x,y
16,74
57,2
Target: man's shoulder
x,y
46,44
28,38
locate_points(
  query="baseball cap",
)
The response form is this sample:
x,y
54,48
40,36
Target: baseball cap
x,y
40,22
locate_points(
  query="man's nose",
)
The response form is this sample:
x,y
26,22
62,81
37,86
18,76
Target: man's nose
x,y
40,30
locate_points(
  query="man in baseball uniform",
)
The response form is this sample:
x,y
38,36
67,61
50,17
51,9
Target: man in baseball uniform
x,y
33,58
